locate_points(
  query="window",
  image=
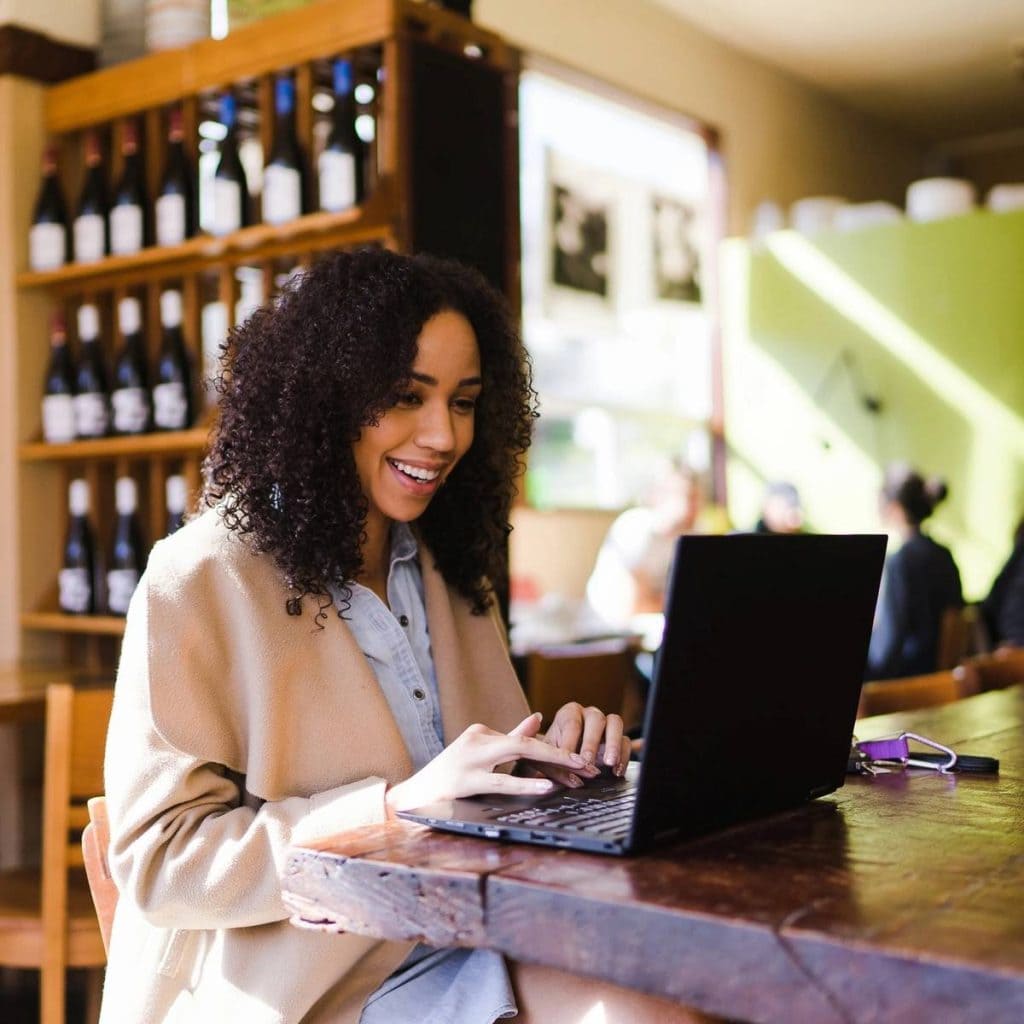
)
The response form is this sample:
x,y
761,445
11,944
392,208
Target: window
x,y
617,237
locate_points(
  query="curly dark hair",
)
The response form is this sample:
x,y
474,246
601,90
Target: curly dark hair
x,y
303,376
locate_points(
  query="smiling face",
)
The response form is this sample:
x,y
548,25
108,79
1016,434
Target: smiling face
x,y
406,456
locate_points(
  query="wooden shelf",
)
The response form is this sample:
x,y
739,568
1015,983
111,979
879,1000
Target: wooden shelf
x,y
58,622
172,442
260,242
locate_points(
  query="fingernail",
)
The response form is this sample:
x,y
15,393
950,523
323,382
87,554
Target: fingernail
x,y
609,759
544,784
575,781
577,760
588,756
620,769
590,770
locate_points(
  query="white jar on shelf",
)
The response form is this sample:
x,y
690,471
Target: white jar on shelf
x,y
936,198
173,23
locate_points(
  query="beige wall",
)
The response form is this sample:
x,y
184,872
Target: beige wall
x,y
780,138
70,21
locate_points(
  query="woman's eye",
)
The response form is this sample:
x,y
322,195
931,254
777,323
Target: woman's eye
x,y
465,404
406,399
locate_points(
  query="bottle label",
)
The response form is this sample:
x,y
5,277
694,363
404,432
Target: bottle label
x,y
46,246
227,206
75,590
88,238
131,410
58,419
170,219
337,181
92,416
121,584
170,406
282,194
125,229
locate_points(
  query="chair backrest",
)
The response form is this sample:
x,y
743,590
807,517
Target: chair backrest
x,y
1000,668
954,634
76,731
597,674
95,841
883,696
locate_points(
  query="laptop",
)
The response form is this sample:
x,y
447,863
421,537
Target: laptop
x,y
750,711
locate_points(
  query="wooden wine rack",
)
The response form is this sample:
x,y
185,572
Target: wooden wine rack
x,y
418,196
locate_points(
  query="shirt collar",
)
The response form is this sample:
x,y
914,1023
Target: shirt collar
x,y
403,544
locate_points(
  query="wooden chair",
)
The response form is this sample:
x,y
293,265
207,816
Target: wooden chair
x,y
882,696
999,669
602,674
95,840
47,920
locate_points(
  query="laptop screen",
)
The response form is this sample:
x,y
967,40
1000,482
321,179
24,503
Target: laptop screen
x,y
758,677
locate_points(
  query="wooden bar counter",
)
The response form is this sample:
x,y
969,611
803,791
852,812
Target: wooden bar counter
x,y
900,898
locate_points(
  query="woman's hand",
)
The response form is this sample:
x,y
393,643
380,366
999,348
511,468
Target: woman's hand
x,y
596,736
466,767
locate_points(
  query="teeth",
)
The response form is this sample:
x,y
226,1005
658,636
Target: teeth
x,y
416,472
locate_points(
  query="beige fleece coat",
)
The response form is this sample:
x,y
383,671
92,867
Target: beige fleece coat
x,y
235,726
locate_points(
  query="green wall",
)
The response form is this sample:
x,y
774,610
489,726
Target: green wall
x,y
928,318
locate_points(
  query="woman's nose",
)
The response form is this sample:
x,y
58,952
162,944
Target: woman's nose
x,y
434,428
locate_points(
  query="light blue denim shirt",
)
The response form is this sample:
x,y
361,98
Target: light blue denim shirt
x,y
433,986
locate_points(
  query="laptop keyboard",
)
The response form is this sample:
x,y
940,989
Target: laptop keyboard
x,y
580,814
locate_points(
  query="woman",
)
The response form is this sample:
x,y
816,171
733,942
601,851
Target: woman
x,y
316,650
920,581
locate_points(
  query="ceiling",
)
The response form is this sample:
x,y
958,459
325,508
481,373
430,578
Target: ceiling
x,y
945,69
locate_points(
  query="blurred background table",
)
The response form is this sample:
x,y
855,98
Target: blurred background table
x,y
898,898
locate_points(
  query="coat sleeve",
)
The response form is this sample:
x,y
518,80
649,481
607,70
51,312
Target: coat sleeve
x,y
186,847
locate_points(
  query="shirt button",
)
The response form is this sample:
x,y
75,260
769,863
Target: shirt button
x,y
418,694
403,620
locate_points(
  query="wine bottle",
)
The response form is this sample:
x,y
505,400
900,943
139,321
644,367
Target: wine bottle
x,y
172,395
341,166
231,203
127,553
130,206
92,404
59,388
177,497
77,594
214,334
283,184
48,236
130,397
90,225
176,201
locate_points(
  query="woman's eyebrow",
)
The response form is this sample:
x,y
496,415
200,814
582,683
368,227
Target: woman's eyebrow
x,y
424,378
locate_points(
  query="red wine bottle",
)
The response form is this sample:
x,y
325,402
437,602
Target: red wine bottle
x,y
177,498
92,401
232,206
130,397
48,236
76,583
172,394
129,208
90,225
59,388
283,174
341,167
176,202
127,553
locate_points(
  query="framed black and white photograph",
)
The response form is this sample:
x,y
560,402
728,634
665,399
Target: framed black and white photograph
x,y
579,240
676,252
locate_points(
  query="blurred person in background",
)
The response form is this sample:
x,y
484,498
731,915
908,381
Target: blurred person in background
x,y
781,509
919,583
632,566
1003,609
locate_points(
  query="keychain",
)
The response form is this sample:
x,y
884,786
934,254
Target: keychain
x,y
877,757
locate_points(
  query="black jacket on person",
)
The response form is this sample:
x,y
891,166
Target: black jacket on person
x,y
920,582
1003,609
